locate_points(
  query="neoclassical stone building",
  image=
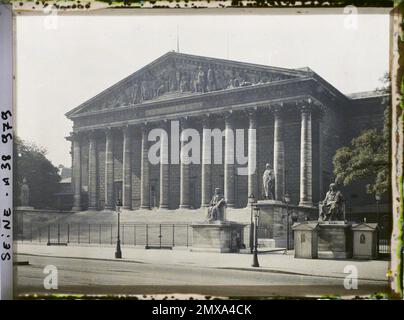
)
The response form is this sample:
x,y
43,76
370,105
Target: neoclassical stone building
x,y
300,121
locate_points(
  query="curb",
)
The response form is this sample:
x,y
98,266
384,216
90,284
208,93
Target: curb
x,y
251,269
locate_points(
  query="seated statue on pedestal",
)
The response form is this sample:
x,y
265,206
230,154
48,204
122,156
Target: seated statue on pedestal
x,y
216,207
268,180
332,207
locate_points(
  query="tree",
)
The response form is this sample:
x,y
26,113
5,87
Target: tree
x,y
368,156
30,162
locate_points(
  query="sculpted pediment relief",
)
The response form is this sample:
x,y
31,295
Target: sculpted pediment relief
x,y
178,75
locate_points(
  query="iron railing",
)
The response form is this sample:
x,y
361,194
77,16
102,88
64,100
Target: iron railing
x,y
150,235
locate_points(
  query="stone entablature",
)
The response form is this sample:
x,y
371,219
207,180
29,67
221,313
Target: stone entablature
x,y
289,94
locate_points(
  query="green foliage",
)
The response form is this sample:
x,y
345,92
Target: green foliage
x,y
30,162
368,155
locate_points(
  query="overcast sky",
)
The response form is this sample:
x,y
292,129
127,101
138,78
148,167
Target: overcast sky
x,y
59,66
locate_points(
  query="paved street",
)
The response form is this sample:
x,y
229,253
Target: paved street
x,y
86,275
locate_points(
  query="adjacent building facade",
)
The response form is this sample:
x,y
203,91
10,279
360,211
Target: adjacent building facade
x,y
299,119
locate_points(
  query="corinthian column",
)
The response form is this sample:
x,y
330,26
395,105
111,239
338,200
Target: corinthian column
x,y
127,168
144,171
109,170
306,158
206,179
164,169
252,154
92,172
229,180
76,173
279,154
184,171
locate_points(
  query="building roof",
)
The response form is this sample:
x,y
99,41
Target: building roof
x,y
176,59
305,226
141,89
367,94
364,226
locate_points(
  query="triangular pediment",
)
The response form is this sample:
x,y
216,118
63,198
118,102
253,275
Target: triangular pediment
x,y
176,74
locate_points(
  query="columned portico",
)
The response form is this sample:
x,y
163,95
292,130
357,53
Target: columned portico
x,y
279,154
184,169
164,168
206,172
266,102
92,172
144,171
229,186
306,156
76,173
127,168
109,170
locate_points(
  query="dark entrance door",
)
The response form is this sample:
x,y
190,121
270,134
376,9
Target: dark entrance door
x,y
192,193
117,191
153,196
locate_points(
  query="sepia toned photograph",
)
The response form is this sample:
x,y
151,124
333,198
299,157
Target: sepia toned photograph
x,y
204,153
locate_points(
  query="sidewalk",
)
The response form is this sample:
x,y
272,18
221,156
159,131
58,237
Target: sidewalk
x,y
269,262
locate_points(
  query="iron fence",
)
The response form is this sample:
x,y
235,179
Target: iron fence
x,y
148,235
151,235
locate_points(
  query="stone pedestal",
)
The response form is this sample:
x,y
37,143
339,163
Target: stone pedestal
x,y
334,240
306,240
365,241
218,236
274,218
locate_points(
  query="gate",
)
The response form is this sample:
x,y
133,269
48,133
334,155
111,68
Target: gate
x,y
384,235
160,236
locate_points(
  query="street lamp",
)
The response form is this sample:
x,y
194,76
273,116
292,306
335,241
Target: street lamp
x,y
255,263
118,252
377,197
251,201
286,199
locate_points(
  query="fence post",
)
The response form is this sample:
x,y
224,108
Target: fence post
x,y
134,235
111,233
147,236
89,233
160,235
22,227
39,234
58,233
123,234
31,231
187,234
100,234
68,233
173,234
78,233
48,234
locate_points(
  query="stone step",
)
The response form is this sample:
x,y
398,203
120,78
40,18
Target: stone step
x,y
266,243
